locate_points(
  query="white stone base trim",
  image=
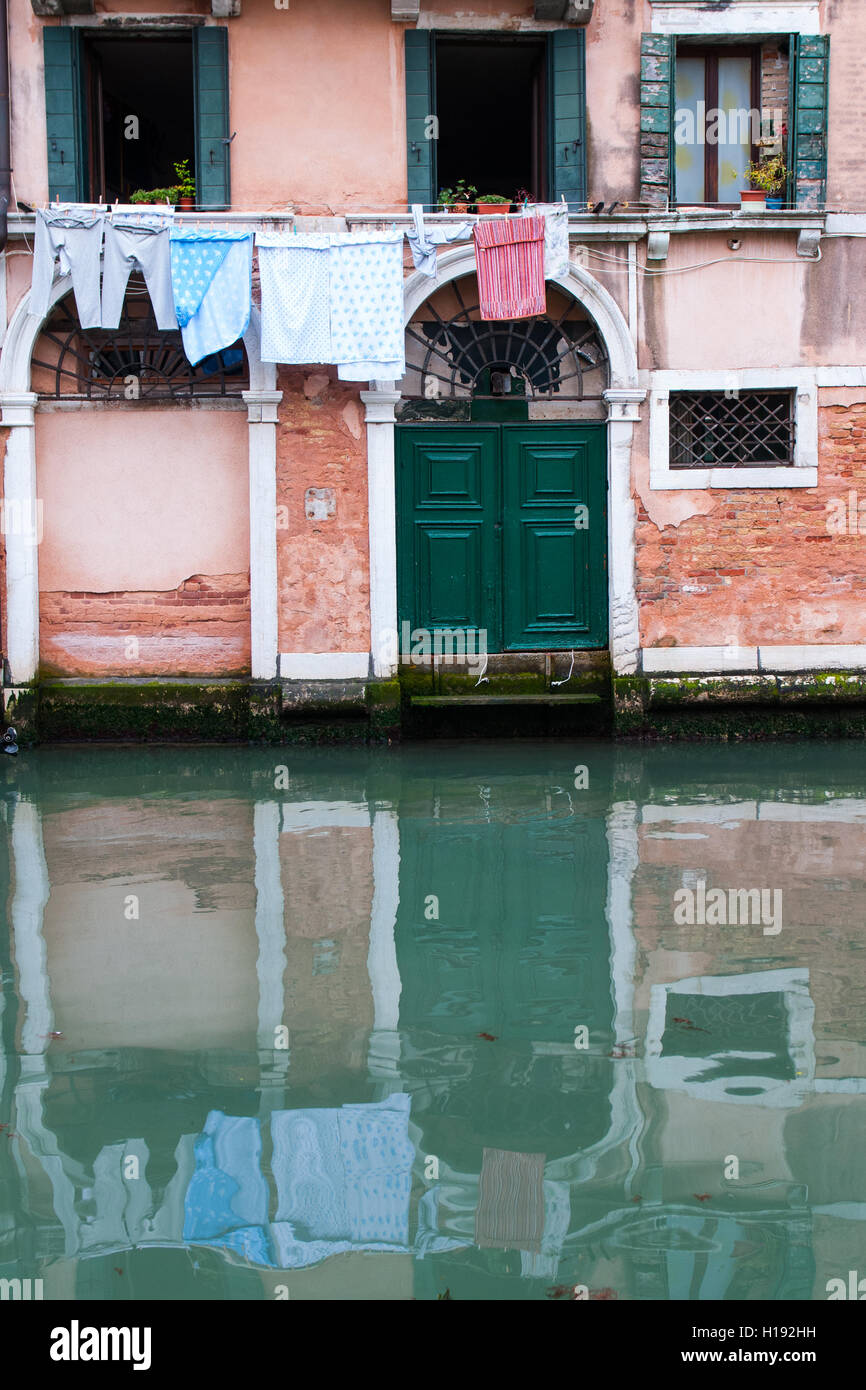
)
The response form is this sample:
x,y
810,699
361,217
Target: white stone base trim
x,y
766,660
324,666
747,17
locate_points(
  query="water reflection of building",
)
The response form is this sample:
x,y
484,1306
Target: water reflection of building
x,y
315,913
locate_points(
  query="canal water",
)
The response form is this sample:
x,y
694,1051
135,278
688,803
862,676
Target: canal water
x,y
490,1021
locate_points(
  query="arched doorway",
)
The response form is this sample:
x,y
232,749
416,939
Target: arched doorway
x,y
501,465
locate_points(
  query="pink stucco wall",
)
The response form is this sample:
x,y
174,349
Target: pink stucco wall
x,y
146,536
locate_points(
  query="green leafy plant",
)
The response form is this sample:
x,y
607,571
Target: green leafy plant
x,y
155,195
492,200
769,175
446,197
464,192
185,180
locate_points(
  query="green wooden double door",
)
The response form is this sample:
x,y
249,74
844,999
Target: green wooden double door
x,y
503,528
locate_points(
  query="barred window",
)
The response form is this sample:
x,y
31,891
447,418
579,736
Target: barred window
x,y
741,429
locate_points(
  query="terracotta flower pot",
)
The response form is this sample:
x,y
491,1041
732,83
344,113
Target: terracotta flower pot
x,y
753,200
461,206
187,204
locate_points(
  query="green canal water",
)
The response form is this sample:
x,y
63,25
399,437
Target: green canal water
x,y
491,1021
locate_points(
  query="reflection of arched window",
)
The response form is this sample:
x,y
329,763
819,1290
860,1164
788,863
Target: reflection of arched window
x,y
135,361
452,352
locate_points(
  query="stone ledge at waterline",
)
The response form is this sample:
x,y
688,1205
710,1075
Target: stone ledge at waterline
x,y
510,703
829,704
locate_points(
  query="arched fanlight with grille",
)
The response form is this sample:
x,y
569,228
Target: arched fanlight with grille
x,y
135,361
557,356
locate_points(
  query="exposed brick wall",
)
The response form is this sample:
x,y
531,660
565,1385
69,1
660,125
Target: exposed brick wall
x,y
774,82
202,628
323,566
762,566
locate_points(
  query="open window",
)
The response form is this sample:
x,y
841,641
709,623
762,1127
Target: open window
x,y
123,109
140,112
708,109
504,113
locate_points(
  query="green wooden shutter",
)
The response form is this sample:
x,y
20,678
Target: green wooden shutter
x,y
657,88
211,88
810,62
567,105
67,165
420,104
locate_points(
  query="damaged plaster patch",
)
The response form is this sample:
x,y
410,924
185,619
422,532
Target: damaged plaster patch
x,y
669,508
352,418
314,385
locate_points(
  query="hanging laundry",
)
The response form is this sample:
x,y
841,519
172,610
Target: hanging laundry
x,y
296,296
71,232
138,241
211,275
367,329
509,253
555,236
424,240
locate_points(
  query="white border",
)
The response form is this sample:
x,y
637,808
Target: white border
x,y
804,473
764,660
741,17
673,1073
324,666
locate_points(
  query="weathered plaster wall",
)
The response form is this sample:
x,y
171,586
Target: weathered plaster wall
x,y
146,536
763,566
323,566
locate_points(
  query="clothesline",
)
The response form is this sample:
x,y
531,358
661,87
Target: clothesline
x,y
327,297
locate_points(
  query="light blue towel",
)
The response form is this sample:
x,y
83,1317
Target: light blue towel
x,y
211,274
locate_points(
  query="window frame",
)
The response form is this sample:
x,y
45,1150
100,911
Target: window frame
x,y
801,381
711,54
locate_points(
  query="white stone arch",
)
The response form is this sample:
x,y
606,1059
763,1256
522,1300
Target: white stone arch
x,y
18,405
595,299
623,398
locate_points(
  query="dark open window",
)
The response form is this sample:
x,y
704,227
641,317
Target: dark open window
x,y
140,113
490,105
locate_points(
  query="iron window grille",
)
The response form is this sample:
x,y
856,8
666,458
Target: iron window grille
x,y
135,361
553,356
741,429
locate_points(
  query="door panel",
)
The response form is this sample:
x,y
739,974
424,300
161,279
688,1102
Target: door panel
x,y
554,536
448,508
492,533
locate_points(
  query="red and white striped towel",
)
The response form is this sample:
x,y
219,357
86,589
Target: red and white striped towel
x,y
509,253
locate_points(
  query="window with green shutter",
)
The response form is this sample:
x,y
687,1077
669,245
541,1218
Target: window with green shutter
x,y
810,78
212,135
504,113
122,110
64,114
706,90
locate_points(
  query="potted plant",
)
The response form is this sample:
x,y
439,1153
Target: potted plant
x,y
154,195
185,184
445,200
769,177
463,195
491,202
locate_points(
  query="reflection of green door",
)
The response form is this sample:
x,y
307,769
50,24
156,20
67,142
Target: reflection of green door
x,y
504,528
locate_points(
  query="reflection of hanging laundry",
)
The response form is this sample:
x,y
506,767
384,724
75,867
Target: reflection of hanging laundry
x,y
510,1213
227,1189
555,236
509,253
138,241
211,279
424,240
72,233
343,1179
557,1218
296,288
367,331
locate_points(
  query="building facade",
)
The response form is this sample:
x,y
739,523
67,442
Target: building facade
x,y
667,469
